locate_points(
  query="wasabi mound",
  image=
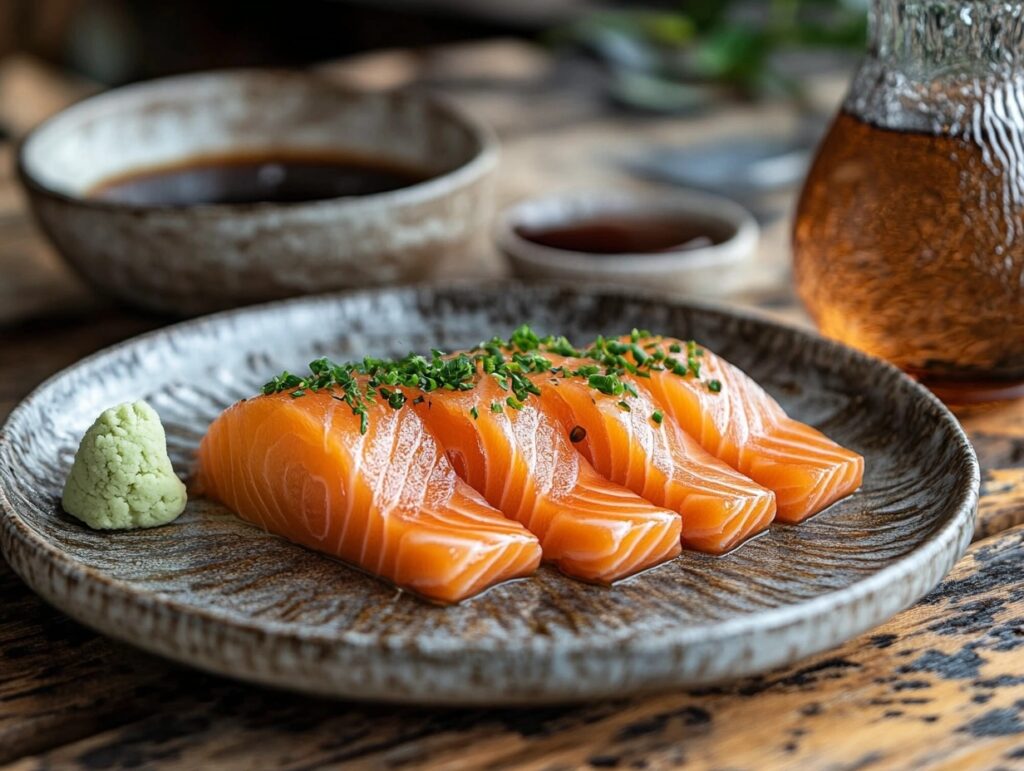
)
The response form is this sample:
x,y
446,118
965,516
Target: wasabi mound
x,y
122,477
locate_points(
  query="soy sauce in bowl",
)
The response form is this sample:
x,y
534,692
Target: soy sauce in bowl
x,y
685,241
256,178
617,234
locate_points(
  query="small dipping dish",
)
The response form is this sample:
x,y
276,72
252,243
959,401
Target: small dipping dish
x,y
194,193
689,242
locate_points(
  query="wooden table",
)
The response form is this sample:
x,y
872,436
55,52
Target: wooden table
x,y
940,686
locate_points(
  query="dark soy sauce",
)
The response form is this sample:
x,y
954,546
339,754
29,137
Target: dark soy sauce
x,y
625,234
242,179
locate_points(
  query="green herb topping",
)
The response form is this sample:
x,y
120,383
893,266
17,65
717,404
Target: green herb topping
x,y
613,358
510,362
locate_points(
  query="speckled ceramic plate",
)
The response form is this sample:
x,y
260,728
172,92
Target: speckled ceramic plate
x,y
213,592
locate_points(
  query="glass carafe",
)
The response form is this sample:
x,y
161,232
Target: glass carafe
x,y
909,235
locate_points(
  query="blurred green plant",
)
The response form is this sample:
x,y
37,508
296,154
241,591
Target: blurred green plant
x,y
662,58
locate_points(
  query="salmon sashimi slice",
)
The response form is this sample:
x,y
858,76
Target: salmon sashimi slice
x,y
629,441
524,465
735,420
387,500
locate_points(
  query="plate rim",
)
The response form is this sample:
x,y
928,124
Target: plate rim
x,y
930,561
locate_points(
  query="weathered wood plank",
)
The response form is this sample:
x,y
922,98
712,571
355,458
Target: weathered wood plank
x,y
997,433
32,350
940,686
58,680
1002,502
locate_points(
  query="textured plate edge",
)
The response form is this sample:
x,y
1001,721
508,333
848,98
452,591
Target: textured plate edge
x,y
205,639
325,667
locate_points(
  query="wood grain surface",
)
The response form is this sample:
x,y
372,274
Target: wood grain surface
x,y
941,686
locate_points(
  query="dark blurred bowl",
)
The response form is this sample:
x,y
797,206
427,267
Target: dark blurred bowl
x,y
194,259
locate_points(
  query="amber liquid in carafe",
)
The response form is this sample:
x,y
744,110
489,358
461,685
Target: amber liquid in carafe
x,y
910,246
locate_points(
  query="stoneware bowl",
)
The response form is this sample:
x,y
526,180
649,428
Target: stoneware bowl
x,y
216,593
192,259
709,271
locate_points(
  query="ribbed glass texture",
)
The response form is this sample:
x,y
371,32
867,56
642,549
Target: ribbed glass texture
x,y
909,236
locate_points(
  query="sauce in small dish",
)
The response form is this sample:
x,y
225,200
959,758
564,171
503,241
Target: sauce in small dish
x,y
685,241
628,234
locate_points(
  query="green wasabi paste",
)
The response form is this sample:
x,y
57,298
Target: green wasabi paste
x,y
122,477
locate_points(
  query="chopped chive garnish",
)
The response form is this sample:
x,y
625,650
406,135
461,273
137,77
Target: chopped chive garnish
x,y
607,366
625,406
474,413
606,384
657,416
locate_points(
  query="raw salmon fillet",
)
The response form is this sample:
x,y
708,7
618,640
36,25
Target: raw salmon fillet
x,y
720,507
745,427
524,465
386,501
